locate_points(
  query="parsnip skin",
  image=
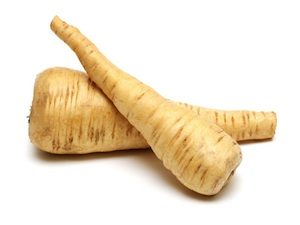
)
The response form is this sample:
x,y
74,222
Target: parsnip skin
x,y
69,115
200,154
65,98
242,125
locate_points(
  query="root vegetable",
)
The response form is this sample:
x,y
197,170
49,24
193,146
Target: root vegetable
x,y
199,153
70,115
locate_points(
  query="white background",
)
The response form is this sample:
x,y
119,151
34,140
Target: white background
x,y
220,54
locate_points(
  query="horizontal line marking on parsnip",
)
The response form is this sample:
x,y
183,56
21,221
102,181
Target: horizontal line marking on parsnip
x,y
196,145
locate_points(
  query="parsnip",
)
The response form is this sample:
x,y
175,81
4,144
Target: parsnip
x,y
199,153
70,115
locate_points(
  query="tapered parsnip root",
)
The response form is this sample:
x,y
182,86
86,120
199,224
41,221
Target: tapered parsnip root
x,y
199,153
70,115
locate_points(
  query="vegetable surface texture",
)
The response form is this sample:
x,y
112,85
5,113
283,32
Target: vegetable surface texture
x,y
70,115
199,153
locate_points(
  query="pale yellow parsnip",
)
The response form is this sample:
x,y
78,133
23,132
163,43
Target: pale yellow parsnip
x,y
66,98
199,153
